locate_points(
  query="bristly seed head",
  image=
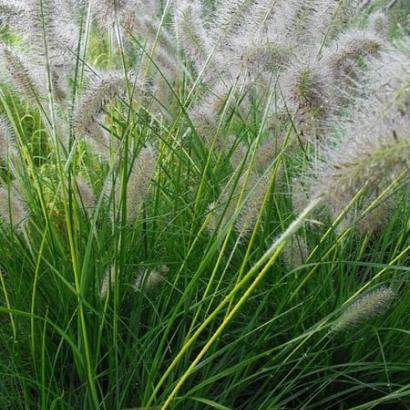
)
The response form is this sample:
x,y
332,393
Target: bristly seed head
x,y
13,210
139,181
366,307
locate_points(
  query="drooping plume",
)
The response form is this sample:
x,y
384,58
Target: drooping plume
x,y
375,148
90,110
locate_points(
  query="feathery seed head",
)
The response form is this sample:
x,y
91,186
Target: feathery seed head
x,y
256,191
238,152
296,251
91,107
229,21
127,12
311,88
366,307
375,148
138,182
343,54
190,31
377,218
300,196
212,218
266,152
86,195
7,143
379,23
368,156
149,279
205,114
23,77
308,85
13,211
107,283
260,58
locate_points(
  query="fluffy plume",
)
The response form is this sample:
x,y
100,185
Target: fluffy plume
x,y
229,20
23,76
252,205
126,12
91,107
224,208
107,283
13,211
11,12
366,307
375,218
375,149
139,181
7,142
247,194
300,195
191,33
379,23
304,43
296,251
86,195
310,88
341,57
205,114
51,34
238,152
149,279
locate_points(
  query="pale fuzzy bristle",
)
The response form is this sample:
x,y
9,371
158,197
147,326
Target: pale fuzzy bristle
x,y
308,84
246,195
90,110
365,308
223,209
213,218
300,195
191,33
300,18
376,218
257,188
13,210
239,152
107,283
363,160
379,23
148,279
229,19
139,181
86,195
154,34
375,148
296,251
158,51
7,143
126,12
103,90
11,12
266,153
165,64
260,58
22,75
205,114
51,34
311,87
341,56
